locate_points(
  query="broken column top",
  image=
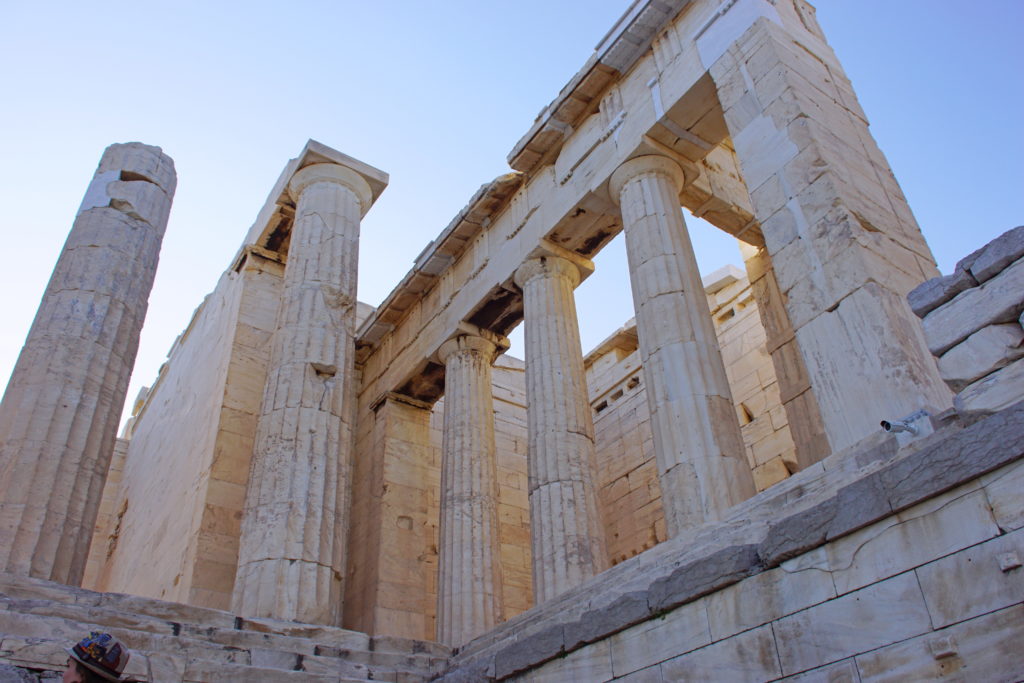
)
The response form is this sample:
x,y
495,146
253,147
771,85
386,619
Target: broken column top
x,y
136,161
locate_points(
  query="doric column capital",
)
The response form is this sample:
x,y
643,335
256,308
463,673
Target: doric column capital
x,y
467,343
645,165
547,266
332,173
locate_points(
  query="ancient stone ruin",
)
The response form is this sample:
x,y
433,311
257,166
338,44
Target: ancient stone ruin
x,y
809,469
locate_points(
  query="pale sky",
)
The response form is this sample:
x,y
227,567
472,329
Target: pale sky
x,y
436,94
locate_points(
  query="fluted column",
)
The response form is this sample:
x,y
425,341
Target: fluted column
x,y
469,584
291,560
702,469
567,533
59,415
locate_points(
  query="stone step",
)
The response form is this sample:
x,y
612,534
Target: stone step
x,y
180,643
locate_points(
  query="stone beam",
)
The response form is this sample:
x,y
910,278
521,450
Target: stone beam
x,y
564,203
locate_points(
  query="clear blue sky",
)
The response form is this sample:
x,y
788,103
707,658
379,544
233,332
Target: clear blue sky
x,y
436,94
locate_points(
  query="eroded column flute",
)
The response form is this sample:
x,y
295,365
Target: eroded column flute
x,y
291,560
567,532
59,415
469,585
702,469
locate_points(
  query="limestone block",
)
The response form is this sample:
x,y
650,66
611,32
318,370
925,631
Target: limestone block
x,y
985,351
770,473
1003,489
681,630
840,672
998,254
992,393
998,300
971,582
543,643
931,294
952,521
880,614
983,649
592,663
749,656
649,675
766,597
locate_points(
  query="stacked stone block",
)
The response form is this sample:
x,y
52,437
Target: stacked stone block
x,y
974,323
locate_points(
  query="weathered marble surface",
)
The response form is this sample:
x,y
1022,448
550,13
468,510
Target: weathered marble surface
x,y
567,533
469,565
291,557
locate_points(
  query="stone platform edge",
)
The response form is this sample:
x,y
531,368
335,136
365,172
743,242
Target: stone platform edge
x,y
889,481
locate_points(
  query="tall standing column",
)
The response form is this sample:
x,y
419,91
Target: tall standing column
x,y
291,559
469,584
567,533
59,415
701,464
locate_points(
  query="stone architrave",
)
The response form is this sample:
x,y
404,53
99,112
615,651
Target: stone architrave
x,y
291,559
567,533
702,467
59,416
469,573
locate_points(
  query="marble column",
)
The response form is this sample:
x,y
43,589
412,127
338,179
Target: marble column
x,y
59,416
291,560
567,532
469,572
701,464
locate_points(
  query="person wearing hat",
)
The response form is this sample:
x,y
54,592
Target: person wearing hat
x,y
96,658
